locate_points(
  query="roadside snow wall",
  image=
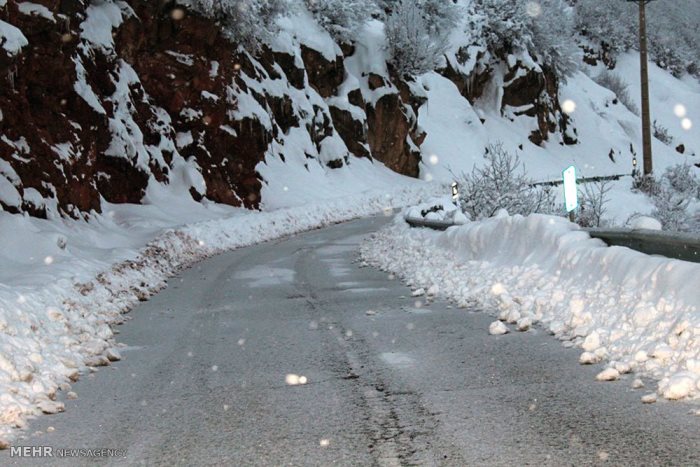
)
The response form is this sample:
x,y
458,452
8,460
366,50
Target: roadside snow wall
x,y
636,312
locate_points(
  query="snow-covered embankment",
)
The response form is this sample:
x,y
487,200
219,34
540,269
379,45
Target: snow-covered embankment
x,y
635,312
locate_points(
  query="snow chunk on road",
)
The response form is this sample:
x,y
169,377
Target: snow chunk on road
x,y
523,324
608,374
588,358
497,328
678,387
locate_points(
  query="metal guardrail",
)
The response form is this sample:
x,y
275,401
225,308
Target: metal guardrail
x,y
685,247
581,180
653,242
431,224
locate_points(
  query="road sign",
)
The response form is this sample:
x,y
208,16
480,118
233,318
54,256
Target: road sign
x,y
455,191
570,190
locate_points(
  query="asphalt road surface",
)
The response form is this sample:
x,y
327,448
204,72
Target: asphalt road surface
x,y
206,372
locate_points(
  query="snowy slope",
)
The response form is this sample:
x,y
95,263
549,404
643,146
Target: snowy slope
x,y
457,138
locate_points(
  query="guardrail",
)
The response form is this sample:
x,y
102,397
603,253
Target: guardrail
x,y
431,224
581,180
685,247
653,242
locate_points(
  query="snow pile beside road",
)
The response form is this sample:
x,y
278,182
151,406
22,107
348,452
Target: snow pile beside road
x,y
49,333
437,209
636,312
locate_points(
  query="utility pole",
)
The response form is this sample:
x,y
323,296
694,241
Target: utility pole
x,y
646,119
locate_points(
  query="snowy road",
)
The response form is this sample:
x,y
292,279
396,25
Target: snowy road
x,y
204,380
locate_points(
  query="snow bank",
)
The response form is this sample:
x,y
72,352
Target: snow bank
x,y
639,313
48,334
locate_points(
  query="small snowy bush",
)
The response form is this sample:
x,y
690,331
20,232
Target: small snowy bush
x,y
661,133
341,18
681,179
543,30
593,198
502,184
671,209
616,84
673,195
417,33
247,22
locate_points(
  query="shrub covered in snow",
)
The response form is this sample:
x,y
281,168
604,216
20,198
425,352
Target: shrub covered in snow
x,y
593,198
247,22
341,18
661,133
675,195
671,29
542,29
502,184
617,84
417,32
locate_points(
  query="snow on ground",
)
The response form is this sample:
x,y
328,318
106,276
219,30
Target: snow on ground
x,y
456,138
294,181
636,312
64,282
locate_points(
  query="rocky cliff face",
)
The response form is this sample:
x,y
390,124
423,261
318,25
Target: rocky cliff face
x,y
105,99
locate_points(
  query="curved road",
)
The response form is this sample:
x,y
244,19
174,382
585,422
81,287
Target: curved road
x,y
204,379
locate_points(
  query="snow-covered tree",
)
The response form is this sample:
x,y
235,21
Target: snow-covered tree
x,y
671,29
542,29
593,198
417,34
248,22
502,184
617,84
342,18
673,196
681,179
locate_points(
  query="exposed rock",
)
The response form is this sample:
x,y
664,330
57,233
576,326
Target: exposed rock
x,y
603,54
539,90
388,135
375,81
352,131
473,85
186,67
287,63
324,76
